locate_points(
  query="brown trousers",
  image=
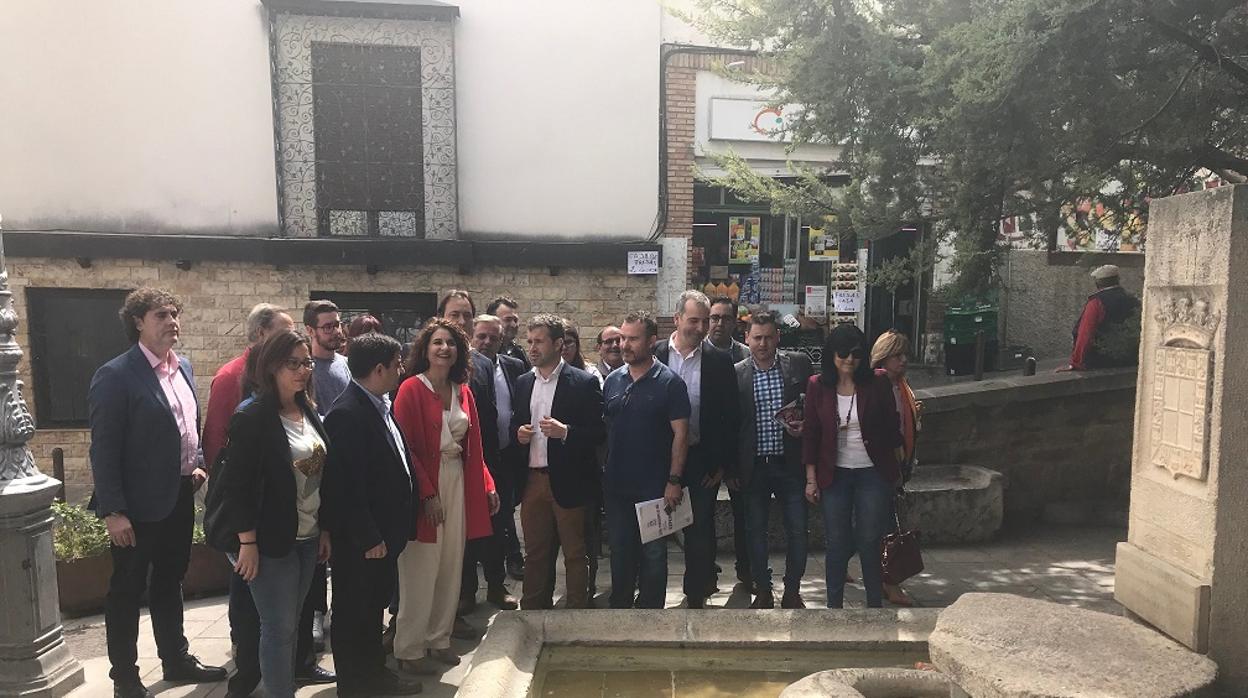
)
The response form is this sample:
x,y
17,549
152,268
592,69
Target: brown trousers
x,y
541,518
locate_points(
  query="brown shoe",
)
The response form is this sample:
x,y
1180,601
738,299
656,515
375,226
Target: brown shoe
x,y
764,600
499,596
895,595
792,599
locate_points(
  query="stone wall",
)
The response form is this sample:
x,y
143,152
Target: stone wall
x,y
1041,301
1059,439
218,295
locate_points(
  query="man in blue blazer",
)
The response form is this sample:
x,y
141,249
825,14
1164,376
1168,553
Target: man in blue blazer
x,y
147,464
556,415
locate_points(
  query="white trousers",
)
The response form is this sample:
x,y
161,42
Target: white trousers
x,y
429,574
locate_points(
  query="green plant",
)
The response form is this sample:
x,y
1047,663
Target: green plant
x,y
77,533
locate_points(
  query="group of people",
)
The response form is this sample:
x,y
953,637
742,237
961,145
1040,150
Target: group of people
x,y
402,467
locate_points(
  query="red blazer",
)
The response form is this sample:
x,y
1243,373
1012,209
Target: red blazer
x,y
418,412
877,413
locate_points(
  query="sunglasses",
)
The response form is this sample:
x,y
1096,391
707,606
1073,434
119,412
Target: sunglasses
x,y
844,353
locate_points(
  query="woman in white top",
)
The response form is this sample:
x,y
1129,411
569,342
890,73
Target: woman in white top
x,y
271,501
435,409
850,438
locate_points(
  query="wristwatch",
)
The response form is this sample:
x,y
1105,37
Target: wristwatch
x,y
673,479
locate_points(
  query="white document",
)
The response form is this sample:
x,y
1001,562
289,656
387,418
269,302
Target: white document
x,y
655,521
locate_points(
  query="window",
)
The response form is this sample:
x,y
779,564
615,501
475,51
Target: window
x,y
72,333
401,314
369,151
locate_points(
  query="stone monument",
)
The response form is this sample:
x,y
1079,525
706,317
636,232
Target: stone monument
x,y
1183,567
34,660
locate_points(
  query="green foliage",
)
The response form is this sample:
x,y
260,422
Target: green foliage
x,y
961,112
77,533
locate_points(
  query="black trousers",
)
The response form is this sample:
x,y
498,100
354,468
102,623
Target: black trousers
x,y
700,535
362,590
740,544
491,551
163,548
245,632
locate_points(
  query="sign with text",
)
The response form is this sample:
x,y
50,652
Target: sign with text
x,y
846,301
655,520
643,262
817,302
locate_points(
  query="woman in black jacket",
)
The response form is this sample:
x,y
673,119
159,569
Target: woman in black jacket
x,y
271,498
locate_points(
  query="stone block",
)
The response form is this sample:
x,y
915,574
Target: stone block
x,y
955,503
1005,646
1165,596
883,682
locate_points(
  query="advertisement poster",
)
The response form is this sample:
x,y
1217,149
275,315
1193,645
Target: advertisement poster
x,y
824,246
817,302
846,301
743,238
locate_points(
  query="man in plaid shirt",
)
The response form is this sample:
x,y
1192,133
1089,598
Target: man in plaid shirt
x,y
769,457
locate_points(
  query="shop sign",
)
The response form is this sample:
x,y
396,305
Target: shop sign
x,y
643,262
743,239
817,302
824,245
846,301
751,120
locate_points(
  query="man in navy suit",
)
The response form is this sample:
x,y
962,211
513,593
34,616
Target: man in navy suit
x,y
147,464
557,418
367,508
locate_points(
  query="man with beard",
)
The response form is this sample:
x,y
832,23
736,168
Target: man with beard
x,y
723,322
712,383
647,409
609,357
505,309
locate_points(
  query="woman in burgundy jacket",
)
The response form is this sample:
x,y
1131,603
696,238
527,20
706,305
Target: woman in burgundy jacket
x,y
435,410
850,438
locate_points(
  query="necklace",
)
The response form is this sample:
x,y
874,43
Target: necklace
x,y
848,412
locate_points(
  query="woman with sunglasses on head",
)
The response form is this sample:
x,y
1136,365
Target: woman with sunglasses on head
x,y
888,358
850,439
271,500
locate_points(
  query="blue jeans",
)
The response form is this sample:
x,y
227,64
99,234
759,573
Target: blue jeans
x,y
788,487
857,511
634,564
279,590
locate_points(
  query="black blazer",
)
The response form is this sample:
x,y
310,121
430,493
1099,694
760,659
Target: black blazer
x,y
481,383
719,415
136,448
573,465
512,370
366,495
259,480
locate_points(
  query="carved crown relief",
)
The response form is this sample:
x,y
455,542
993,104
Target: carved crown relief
x,y
1182,385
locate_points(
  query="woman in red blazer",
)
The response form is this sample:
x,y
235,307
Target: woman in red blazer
x,y
435,410
850,438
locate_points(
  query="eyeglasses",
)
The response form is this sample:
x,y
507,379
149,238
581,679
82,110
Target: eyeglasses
x,y
296,364
723,318
615,340
330,326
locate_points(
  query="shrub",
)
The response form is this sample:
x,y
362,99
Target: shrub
x,y
77,532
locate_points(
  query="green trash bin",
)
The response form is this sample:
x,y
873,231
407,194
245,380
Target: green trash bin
x,y
962,323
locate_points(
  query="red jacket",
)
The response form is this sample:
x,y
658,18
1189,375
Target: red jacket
x,y
877,414
418,412
223,398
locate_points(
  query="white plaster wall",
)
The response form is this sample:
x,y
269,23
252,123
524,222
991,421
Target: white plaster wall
x,y
557,109
136,116
765,158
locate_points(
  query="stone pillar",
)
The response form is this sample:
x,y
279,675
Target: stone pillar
x,y
34,660
1182,568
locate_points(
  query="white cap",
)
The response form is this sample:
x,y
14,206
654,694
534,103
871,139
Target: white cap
x,y
1108,271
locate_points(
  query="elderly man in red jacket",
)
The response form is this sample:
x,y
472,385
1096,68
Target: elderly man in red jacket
x,y
1104,330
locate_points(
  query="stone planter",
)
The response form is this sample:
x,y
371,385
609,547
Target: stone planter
x,y
83,584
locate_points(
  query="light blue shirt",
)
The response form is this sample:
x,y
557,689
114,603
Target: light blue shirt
x,y
383,408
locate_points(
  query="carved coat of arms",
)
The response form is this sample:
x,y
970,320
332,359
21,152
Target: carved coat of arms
x,y
1183,368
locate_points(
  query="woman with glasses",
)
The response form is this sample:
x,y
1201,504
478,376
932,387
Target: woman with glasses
x,y
271,494
436,412
572,346
850,439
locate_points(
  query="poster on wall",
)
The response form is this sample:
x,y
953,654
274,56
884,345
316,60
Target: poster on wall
x,y
825,246
743,238
817,302
846,301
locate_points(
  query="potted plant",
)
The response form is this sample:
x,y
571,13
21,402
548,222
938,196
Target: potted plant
x,y
84,564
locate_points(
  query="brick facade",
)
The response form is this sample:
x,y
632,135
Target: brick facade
x,y
218,296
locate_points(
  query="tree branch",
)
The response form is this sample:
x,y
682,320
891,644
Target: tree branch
x,y
1217,160
1206,51
1164,105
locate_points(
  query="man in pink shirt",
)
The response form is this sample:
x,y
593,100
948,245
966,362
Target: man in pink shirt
x,y
146,462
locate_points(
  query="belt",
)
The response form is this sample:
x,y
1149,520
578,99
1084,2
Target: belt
x,y
769,460
541,471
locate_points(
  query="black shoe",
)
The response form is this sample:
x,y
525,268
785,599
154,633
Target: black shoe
x,y
764,600
499,596
387,684
695,602
130,689
463,630
792,599
318,631
515,568
467,604
314,674
188,669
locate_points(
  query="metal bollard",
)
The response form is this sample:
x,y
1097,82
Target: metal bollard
x,y
980,343
1029,368
58,471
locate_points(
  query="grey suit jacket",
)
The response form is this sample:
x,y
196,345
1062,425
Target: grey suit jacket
x,y
795,370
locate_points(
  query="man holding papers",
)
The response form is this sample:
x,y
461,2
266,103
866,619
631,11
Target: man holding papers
x,y
647,409
557,420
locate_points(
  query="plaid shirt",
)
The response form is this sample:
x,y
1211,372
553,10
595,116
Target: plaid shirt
x,y
768,399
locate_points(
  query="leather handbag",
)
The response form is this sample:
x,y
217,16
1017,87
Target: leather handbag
x,y
901,555
216,532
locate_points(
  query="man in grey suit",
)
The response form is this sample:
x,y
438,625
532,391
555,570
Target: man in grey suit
x,y
769,457
147,464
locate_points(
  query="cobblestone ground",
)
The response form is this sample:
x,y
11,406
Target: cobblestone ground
x,y
1069,565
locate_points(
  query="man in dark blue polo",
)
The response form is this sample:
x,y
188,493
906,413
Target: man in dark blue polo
x,y
647,409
